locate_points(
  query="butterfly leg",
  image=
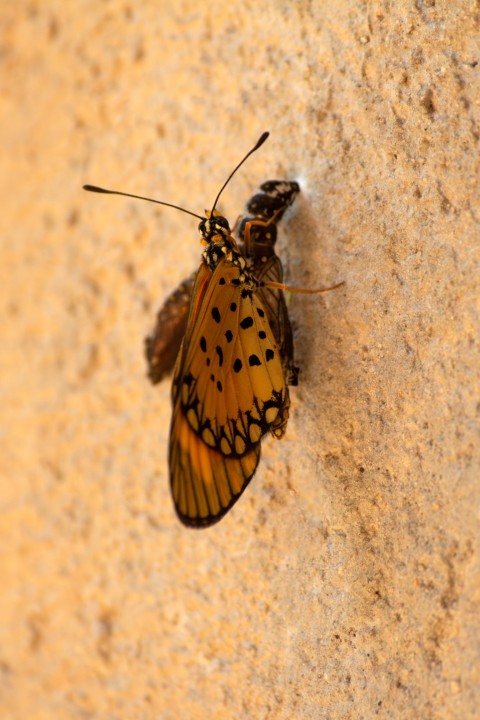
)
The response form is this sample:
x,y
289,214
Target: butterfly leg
x,y
280,424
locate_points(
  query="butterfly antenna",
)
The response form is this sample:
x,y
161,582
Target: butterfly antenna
x,y
95,188
258,144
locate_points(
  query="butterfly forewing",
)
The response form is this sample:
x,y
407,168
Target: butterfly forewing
x,y
229,389
230,373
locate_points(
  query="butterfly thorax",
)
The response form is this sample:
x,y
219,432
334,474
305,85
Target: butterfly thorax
x,y
222,247
214,227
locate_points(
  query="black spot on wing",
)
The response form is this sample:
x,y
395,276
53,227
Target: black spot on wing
x,y
247,322
237,365
216,314
254,360
203,344
219,352
269,354
229,335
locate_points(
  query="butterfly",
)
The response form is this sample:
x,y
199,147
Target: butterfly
x,y
235,361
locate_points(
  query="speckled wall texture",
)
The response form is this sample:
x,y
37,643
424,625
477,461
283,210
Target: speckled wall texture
x,y
345,583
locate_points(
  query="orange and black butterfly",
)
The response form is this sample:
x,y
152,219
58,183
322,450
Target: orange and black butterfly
x,y
235,361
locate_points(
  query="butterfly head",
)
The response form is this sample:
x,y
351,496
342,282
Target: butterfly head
x,y
214,228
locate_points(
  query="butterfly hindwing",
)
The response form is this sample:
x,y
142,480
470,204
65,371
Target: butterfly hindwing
x,y
162,346
205,483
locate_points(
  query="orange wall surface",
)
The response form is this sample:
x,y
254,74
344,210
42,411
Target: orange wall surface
x,y
345,582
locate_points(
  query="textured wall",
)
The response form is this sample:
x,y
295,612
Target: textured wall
x,y
345,583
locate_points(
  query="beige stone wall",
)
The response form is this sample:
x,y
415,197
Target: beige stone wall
x,y
345,583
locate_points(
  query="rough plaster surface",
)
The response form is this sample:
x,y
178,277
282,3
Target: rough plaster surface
x,y
345,583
